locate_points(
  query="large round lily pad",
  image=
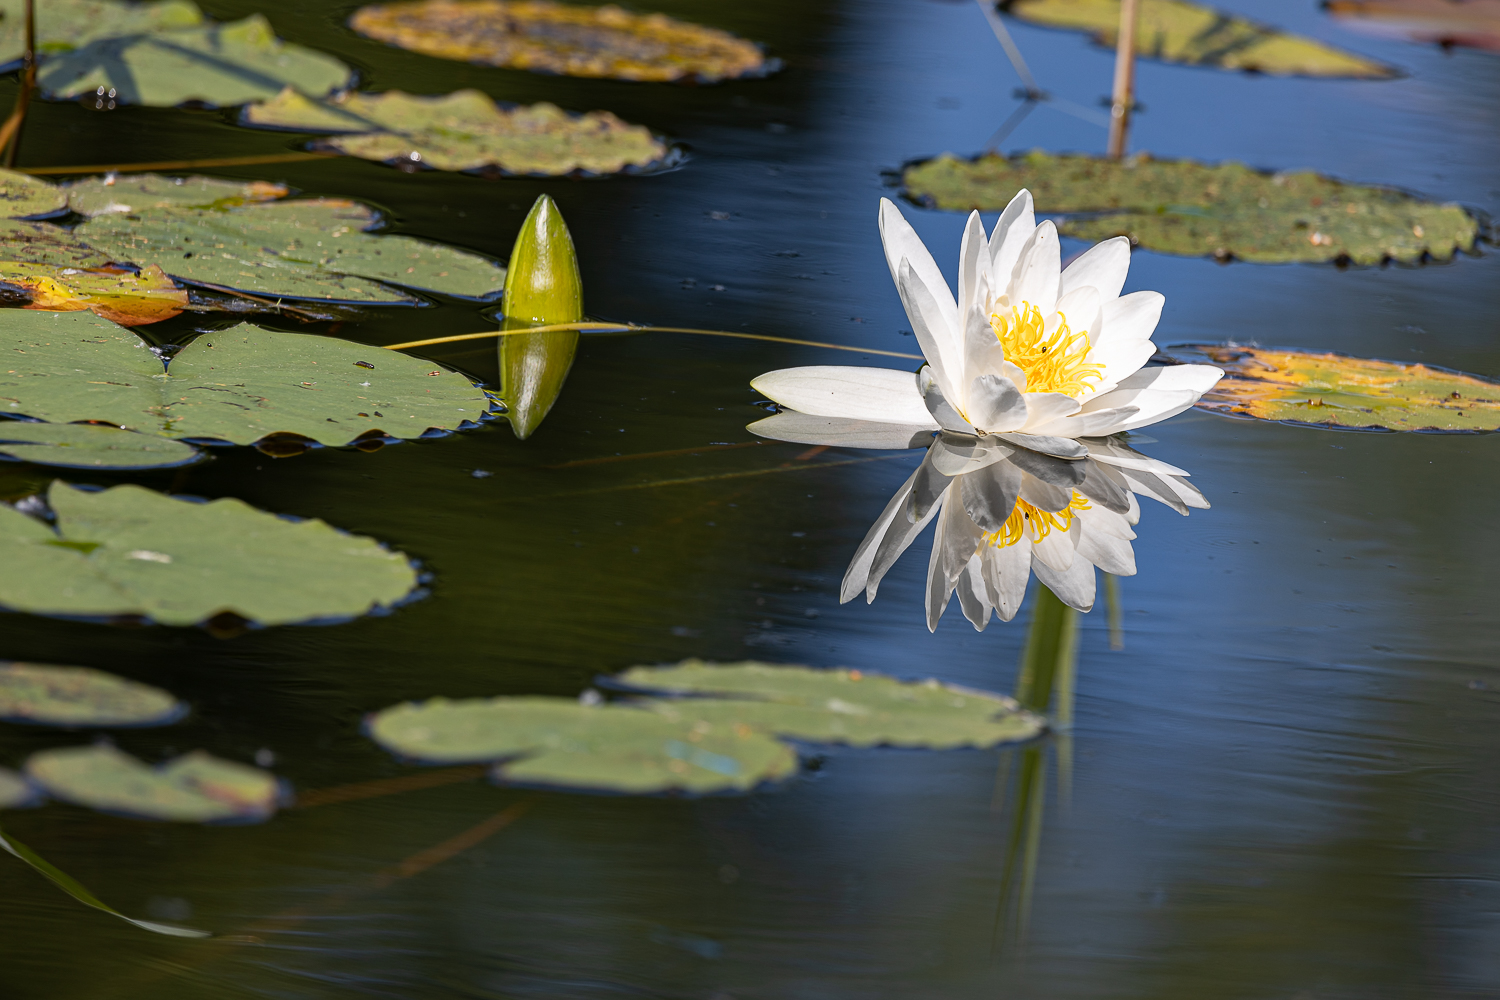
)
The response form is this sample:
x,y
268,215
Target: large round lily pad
x,y
557,741
548,37
237,385
22,195
1336,390
15,791
837,706
1223,210
1176,31
90,446
135,193
218,64
81,696
194,788
129,551
465,130
65,25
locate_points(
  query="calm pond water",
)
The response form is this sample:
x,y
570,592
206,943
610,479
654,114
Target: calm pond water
x,y
1285,784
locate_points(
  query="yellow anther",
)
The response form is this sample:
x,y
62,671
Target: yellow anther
x,y
1026,521
1055,363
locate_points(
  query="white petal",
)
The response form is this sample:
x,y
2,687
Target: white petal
x,y
1102,266
1130,317
840,432
1084,311
902,242
959,455
1199,378
972,594
1109,552
1157,406
1012,230
970,253
995,404
1007,571
838,391
1037,272
933,325
1074,587
1055,446
1119,359
1055,550
1047,407
939,404
1091,424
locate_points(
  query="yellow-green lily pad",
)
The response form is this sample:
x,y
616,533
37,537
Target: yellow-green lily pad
x,y
81,696
1335,390
195,788
1190,34
22,195
1226,210
15,791
465,130
131,194
90,446
65,25
567,39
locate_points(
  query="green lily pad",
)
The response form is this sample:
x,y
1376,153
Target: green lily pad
x,y
1222,210
90,446
1189,34
44,245
837,706
237,385
568,39
465,131
1335,390
15,791
80,696
65,25
135,193
194,788
219,65
129,551
557,741
22,195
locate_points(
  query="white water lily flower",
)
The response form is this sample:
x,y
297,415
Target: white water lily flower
x,y
1027,354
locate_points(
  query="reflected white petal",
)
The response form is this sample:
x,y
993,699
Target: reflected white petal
x,y
1047,445
1074,586
840,432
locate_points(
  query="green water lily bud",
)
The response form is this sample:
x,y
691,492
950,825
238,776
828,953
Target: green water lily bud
x,y
542,288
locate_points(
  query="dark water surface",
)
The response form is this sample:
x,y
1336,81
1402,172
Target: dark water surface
x,y
1285,785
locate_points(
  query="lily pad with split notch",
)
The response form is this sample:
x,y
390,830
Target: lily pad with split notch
x,y
47,695
835,706
465,130
567,39
194,788
133,552
561,742
1335,390
1225,210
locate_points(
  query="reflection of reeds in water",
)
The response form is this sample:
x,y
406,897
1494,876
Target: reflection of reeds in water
x,y
1045,684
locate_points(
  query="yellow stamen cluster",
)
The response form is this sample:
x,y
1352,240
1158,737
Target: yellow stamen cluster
x,y
1040,522
1053,363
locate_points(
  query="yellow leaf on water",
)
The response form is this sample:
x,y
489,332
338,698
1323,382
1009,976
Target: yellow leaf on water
x,y
121,296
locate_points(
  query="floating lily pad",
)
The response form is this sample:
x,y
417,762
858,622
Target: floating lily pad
x,y
465,131
15,791
1175,31
41,244
237,385
132,551
1339,391
1471,23
194,788
136,193
80,696
22,195
1224,210
219,65
547,37
558,741
837,706
91,446
126,297
65,25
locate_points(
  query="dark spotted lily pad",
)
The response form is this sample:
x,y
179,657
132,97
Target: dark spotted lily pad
x,y
837,706
547,37
1176,31
22,195
465,131
219,65
194,788
80,696
15,791
65,25
130,551
131,194
557,741
1335,390
238,385
90,446
1222,210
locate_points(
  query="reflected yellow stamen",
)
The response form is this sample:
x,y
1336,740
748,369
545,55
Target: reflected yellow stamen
x,y
1025,520
1053,363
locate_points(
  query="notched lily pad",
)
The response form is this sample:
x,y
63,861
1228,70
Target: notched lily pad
x,y
1471,23
219,65
15,791
547,37
80,696
1225,210
557,741
194,788
1175,31
1335,390
129,551
465,130
90,446
135,193
237,385
836,706
22,195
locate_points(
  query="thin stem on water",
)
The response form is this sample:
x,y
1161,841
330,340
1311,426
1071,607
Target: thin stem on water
x,y
10,132
641,328
1123,95
136,168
